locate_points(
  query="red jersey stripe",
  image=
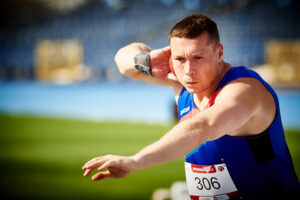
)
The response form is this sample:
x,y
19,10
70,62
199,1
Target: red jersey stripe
x,y
195,111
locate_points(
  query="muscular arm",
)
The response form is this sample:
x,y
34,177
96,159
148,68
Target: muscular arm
x,y
124,59
159,60
236,106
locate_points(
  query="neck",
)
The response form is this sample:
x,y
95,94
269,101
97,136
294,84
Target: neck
x,y
206,94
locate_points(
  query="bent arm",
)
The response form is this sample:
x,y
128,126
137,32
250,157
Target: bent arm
x,y
159,58
124,58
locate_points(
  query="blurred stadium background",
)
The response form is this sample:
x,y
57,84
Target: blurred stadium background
x,y
60,90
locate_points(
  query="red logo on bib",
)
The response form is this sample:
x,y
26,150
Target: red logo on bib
x,y
220,168
203,168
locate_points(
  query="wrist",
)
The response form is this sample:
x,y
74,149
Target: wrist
x,y
138,163
142,62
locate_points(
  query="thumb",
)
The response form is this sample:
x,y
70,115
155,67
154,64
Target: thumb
x,y
172,77
101,175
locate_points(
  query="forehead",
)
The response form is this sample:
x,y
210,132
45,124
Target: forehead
x,y
197,44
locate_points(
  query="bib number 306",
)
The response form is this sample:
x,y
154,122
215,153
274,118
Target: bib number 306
x,y
209,181
207,184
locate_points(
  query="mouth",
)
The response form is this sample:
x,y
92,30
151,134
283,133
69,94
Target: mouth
x,y
191,82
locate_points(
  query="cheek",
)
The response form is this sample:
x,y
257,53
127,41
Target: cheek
x,y
179,71
177,67
203,67
206,69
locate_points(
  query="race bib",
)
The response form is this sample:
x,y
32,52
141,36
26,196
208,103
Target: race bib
x,y
209,182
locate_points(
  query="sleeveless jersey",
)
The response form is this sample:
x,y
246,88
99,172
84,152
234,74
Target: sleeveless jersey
x,y
260,166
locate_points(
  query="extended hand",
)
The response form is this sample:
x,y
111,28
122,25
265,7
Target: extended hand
x,y
117,167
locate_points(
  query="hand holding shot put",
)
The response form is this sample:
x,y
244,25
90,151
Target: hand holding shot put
x,y
229,121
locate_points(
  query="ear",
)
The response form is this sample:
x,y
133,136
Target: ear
x,y
220,52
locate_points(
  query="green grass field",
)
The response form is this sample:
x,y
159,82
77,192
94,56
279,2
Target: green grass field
x,y
41,158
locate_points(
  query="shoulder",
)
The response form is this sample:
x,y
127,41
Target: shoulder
x,y
250,96
244,87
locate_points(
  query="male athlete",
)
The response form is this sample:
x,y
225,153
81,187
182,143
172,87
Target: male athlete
x,y
230,129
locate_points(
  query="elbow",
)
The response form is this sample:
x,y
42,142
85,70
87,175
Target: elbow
x,y
123,64
118,58
124,58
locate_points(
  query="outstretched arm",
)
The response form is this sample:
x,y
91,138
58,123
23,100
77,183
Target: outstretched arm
x,y
175,144
244,102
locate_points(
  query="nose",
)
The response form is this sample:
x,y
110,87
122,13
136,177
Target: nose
x,y
189,68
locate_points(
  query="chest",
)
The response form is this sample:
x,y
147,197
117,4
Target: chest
x,y
189,105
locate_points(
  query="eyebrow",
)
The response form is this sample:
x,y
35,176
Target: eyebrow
x,y
193,54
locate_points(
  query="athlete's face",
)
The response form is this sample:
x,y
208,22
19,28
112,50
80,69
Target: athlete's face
x,y
196,61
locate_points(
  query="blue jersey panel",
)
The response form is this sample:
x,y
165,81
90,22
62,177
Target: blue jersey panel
x,y
260,166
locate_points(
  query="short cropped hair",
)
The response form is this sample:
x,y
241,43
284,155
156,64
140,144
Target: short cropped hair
x,y
193,25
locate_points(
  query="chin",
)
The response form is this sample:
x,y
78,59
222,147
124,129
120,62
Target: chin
x,y
193,90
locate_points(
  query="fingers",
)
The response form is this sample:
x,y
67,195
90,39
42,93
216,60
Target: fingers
x,y
101,163
87,172
101,175
167,51
95,161
167,48
160,72
93,164
104,166
117,167
160,57
90,162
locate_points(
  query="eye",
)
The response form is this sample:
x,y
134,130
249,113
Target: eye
x,y
198,57
179,59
